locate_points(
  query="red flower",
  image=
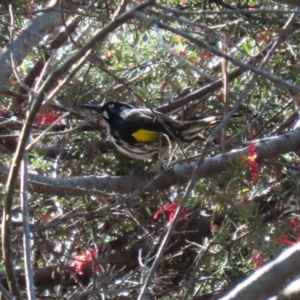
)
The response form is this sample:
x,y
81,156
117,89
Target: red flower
x,y
170,209
286,241
257,259
289,241
47,117
81,261
251,160
163,84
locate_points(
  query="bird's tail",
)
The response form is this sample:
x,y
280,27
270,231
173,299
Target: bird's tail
x,y
193,128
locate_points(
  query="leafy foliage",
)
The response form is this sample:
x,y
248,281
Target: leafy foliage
x,y
185,59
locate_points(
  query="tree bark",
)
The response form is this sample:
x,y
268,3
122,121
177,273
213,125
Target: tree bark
x,y
25,40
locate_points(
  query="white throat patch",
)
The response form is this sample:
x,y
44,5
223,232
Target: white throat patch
x,y
105,114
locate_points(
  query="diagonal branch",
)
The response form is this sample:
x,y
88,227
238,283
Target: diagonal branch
x,y
211,87
26,40
202,44
49,84
270,278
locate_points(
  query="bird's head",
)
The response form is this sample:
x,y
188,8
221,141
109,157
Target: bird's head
x,y
110,109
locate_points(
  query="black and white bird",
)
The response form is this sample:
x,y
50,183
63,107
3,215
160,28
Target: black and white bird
x,y
145,134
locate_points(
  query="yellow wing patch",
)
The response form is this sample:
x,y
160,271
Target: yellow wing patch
x,y
144,136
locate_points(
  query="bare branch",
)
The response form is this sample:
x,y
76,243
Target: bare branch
x,y
264,282
35,106
100,185
205,45
26,230
26,40
6,293
291,292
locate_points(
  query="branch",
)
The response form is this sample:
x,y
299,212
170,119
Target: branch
x,y
26,229
100,185
289,2
37,69
202,44
26,40
48,277
35,106
211,87
10,57
122,257
264,282
291,292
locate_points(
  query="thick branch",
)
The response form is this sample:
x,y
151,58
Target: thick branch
x,y
36,103
264,282
126,184
291,292
25,40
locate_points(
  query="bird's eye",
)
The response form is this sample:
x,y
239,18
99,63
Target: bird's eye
x,y
111,105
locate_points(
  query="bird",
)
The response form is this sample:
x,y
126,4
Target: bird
x,y
146,134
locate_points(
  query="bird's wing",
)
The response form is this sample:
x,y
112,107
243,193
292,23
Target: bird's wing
x,y
146,126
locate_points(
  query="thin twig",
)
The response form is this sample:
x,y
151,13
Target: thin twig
x,y
6,293
202,44
50,82
26,230
6,219
192,181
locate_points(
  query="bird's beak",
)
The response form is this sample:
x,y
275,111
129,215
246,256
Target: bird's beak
x,y
96,108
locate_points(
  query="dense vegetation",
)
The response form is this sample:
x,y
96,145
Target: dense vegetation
x,y
94,224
